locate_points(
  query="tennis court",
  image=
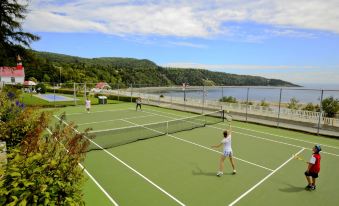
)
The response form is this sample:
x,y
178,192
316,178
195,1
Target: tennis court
x,y
180,168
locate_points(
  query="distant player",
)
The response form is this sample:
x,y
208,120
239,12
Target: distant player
x,y
88,105
227,152
313,168
138,104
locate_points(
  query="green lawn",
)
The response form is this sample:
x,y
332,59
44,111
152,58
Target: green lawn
x,y
32,100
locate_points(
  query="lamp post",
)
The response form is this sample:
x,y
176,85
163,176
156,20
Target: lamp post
x,y
60,76
59,73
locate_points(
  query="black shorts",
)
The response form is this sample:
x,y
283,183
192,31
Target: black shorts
x,y
312,174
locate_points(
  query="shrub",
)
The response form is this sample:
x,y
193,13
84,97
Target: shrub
x,y
39,170
41,88
263,103
229,99
311,107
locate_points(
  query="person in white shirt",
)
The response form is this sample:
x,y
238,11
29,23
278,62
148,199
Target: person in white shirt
x,y
227,151
138,104
88,105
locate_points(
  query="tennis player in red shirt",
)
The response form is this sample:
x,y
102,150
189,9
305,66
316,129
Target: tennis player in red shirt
x,y
313,168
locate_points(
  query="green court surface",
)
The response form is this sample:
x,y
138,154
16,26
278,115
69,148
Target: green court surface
x,y
180,168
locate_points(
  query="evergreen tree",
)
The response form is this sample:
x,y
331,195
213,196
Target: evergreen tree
x,y
13,40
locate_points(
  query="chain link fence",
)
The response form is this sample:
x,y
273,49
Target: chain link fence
x,y
293,108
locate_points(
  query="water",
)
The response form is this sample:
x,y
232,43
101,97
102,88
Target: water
x,y
262,93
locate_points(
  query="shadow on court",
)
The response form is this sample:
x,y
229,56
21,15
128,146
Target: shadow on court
x,y
292,188
199,171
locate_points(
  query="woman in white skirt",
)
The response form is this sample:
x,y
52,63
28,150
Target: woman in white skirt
x,y
227,152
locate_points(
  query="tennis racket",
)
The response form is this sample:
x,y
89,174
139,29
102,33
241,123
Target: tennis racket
x,y
298,157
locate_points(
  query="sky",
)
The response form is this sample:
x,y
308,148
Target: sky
x,y
292,40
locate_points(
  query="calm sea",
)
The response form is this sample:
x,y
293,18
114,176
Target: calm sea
x,y
265,93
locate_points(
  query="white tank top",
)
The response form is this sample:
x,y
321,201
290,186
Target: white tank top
x,y
227,143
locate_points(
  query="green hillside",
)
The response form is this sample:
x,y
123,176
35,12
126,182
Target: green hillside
x,y
47,67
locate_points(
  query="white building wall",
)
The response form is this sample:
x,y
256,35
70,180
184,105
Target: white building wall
x,y
7,80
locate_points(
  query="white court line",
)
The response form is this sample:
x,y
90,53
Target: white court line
x,y
285,137
112,120
112,110
251,163
93,179
276,141
135,171
300,140
261,181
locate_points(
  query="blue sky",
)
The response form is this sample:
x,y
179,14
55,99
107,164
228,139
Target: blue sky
x,y
297,41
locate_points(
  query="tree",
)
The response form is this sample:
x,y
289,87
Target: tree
x,y
294,104
207,82
13,40
46,78
33,79
330,106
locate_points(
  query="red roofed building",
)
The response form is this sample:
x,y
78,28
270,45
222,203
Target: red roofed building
x,y
102,85
12,75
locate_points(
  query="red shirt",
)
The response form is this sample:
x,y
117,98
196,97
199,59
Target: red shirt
x,y
316,165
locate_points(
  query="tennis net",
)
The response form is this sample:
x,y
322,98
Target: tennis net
x,y
110,138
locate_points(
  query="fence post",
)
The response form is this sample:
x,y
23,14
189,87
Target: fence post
x,y
321,110
248,91
131,92
54,95
85,90
279,108
118,93
203,99
171,100
159,89
185,97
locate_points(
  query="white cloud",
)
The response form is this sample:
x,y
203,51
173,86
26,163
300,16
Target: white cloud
x,y
182,18
188,44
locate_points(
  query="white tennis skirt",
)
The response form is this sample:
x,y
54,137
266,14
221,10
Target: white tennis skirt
x,y
228,153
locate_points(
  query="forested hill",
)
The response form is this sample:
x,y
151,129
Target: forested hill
x,y
46,67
